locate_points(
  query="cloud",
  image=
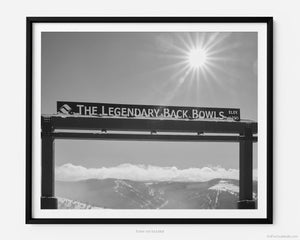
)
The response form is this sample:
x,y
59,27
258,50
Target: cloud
x,y
70,172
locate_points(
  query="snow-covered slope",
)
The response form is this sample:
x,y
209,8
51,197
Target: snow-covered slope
x,y
225,186
64,203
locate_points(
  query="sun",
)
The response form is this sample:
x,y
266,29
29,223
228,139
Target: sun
x,y
196,61
197,58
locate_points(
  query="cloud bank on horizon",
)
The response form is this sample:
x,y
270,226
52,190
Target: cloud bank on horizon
x,y
70,172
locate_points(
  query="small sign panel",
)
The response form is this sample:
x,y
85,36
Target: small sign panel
x,y
146,111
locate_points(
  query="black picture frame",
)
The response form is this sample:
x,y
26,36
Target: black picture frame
x,y
29,118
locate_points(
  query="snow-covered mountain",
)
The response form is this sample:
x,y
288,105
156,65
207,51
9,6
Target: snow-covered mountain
x,y
64,203
128,194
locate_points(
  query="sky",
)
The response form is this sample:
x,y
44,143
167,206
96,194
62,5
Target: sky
x,y
151,68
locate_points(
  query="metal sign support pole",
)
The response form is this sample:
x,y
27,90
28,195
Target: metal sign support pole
x,y
48,201
246,171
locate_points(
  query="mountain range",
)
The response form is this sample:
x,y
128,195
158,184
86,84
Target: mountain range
x,y
128,194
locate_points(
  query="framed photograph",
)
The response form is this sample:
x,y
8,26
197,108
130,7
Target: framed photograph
x,y
149,120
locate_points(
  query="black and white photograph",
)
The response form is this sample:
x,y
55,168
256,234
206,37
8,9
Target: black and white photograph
x,y
150,120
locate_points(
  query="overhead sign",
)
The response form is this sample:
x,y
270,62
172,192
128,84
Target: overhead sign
x,y
146,111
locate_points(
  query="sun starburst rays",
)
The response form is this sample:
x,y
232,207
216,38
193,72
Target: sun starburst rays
x,y
196,61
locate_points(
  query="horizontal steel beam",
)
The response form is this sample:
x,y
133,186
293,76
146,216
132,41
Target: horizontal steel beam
x,y
132,124
148,137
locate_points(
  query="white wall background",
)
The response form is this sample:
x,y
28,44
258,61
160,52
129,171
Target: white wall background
x,y
286,115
